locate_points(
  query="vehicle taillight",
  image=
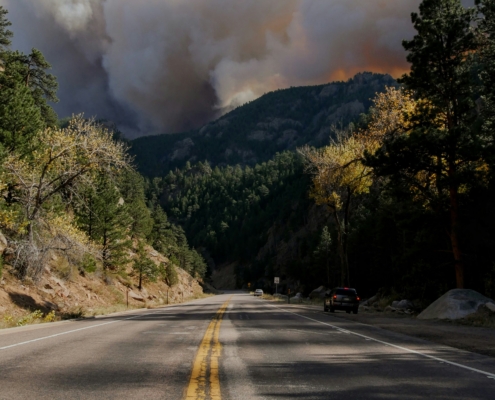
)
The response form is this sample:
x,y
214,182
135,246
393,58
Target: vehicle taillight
x,y
357,298
334,296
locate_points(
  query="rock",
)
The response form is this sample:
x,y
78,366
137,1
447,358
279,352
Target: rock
x,y
455,304
395,303
371,300
490,306
404,305
108,280
3,243
318,293
50,305
390,309
298,295
135,296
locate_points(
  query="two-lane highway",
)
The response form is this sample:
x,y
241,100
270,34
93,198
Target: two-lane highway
x,y
233,346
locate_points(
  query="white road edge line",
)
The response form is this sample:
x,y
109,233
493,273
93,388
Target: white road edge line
x,y
88,327
479,371
74,330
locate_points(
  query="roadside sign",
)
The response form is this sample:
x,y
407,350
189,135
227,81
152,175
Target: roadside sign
x,y
277,280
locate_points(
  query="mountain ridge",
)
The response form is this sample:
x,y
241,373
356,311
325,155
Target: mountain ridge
x,y
254,132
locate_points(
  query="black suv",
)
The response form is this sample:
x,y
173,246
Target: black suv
x,y
341,299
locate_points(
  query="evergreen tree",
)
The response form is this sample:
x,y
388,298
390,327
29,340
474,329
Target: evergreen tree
x,y
486,37
30,71
5,33
439,156
144,266
323,251
104,217
131,186
20,119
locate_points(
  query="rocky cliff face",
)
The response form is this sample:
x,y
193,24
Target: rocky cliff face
x,y
255,132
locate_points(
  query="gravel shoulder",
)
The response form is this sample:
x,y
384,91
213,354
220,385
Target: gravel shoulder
x,y
475,339
479,340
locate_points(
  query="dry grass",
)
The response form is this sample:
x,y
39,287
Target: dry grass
x,y
482,318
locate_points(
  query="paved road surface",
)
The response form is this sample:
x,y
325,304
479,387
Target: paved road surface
x,y
233,346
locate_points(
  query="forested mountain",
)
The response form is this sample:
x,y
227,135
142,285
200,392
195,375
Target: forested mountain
x,y
255,132
400,201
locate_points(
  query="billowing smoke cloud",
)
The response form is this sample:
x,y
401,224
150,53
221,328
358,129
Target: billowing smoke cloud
x,y
159,66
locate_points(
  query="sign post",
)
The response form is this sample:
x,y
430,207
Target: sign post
x,y
277,281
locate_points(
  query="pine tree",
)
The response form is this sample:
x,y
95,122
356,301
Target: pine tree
x,y
20,119
30,71
144,266
440,152
131,185
5,33
486,37
323,250
104,217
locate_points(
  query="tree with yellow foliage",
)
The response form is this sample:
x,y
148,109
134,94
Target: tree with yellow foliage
x,y
65,161
338,176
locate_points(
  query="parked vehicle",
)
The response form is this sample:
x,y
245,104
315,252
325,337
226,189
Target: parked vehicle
x,y
341,299
258,292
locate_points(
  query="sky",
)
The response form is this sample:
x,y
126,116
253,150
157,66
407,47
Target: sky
x,y
165,66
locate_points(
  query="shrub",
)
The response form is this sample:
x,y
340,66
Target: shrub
x,y
88,263
172,276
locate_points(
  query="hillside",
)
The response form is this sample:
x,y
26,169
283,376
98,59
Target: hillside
x,y
255,132
69,291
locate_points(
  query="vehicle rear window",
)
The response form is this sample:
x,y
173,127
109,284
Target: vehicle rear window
x,y
346,292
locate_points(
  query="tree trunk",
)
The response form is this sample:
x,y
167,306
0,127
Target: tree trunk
x,y
346,227
341,248
454,237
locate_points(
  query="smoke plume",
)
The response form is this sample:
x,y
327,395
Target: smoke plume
x,y
161,66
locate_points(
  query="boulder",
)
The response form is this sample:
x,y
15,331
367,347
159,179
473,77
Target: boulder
x,y
403,305
370,301
318,293
490,306
455,304
135,296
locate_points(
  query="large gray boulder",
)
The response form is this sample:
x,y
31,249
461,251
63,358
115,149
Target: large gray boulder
x,y
455,304
318,293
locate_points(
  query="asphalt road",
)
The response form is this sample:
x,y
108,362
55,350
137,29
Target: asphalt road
x,y
233,346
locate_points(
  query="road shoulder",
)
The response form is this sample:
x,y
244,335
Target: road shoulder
x,y
474,339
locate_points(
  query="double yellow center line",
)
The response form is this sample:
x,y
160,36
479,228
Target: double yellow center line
x,y
206,362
